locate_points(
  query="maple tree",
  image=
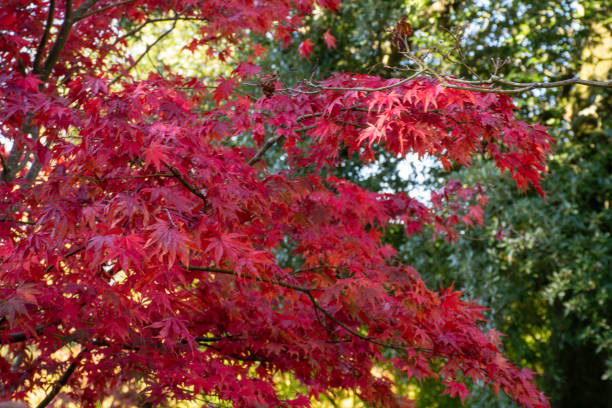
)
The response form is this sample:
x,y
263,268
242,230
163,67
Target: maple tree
x,y
139,234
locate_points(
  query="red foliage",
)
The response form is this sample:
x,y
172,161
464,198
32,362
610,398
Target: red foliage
x,y
132,225
305,48
329,39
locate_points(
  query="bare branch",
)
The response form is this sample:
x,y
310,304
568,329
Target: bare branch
x,y
357,89
554,84
132,32
448,81
519,87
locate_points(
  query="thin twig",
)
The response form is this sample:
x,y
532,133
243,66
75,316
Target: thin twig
x,y
17,221
128,177
306,128
494,79
145,52
68,255
357,89
160,19
102,9
83,8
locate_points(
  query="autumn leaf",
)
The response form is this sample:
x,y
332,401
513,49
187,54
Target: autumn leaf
x,y
330,40
246,69
156,154
305,48
168,241
456,389
224,90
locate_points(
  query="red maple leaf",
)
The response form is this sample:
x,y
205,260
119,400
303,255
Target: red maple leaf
x,y
156,154
330,40
168,240
305,48
456,389
223,90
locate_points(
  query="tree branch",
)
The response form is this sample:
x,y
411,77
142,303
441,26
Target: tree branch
x,y
185,183
57,387
18,157
202,340
23,336
11,163
315,304
45,37
68,255
58,45
33,171
357,89
518,87
230,272
10,169
263,149
272,141
102,9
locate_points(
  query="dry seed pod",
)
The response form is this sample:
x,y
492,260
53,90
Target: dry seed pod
x,y
267,83
400,34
